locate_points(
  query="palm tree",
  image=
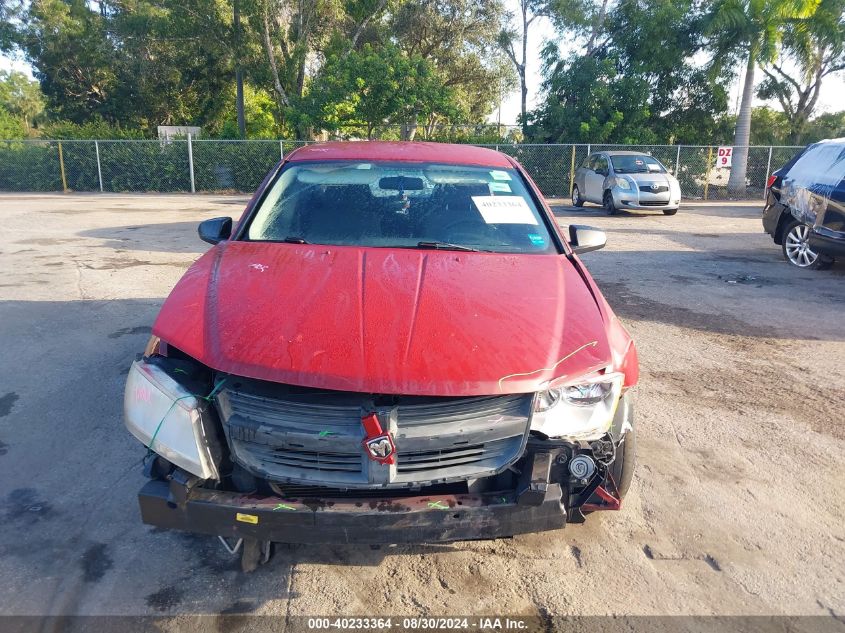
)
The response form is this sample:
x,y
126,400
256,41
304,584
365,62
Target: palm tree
x,y
752,29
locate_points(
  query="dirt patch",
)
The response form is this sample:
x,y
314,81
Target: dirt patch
x,y
630,305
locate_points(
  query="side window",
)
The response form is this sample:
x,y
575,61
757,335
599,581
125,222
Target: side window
x,y
589,162
601,165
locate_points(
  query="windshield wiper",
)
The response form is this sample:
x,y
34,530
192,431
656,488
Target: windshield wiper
x,y
446,246
292,239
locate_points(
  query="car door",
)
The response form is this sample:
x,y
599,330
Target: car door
x,y
594,181
581,174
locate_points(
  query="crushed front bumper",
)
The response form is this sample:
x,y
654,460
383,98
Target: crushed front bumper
x,y
424,519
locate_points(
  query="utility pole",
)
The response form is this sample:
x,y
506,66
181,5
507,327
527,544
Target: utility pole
x,y
239,76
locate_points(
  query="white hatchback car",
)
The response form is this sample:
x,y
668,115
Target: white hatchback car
x,y
626,180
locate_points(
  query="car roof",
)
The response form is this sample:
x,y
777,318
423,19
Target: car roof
x,y
402,151
625,153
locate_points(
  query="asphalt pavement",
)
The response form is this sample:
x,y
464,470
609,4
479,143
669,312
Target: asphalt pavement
x,y
736,506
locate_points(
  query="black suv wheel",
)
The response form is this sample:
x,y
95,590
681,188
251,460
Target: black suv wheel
x,y
796,248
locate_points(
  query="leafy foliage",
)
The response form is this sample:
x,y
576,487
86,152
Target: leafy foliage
x,y
622,71
357,92
21,98
813,49
639,84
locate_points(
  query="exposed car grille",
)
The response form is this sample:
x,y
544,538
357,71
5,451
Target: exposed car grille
x,y
658,189
314,437
654,203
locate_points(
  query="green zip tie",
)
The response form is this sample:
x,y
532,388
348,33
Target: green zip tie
x,y
284,506
437,504
207,398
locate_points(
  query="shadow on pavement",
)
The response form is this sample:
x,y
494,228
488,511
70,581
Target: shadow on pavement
x,y
716,209
171,237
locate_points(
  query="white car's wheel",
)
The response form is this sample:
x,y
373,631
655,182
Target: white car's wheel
x,y
608,204
577,201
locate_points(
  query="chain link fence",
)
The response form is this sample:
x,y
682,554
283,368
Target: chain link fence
x,y
214,166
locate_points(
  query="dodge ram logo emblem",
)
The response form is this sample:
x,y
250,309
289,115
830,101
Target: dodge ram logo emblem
x,y
378,443
381,449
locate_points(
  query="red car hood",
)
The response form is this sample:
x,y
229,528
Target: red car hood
x,y
378,320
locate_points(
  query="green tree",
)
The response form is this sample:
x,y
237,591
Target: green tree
x,y
10,11
813,49
460,39
137,63
259,116
21,97
367,88
291,34
828,125
588,100
751,30
768,126
72,57
11,127
515,44
634,81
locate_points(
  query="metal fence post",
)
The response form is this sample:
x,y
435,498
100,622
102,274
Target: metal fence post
x,y
99,170
572,171
191,164
281,149
588,149
768,172
62,168
677,161
707,173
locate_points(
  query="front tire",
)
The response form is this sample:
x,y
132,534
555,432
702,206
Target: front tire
x,y
608,203
796,248
577,200
255,553
622,467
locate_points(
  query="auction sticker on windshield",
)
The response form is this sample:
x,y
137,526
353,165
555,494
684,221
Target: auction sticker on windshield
x,y
504,210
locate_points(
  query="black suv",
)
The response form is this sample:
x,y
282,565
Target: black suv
x,y
805,205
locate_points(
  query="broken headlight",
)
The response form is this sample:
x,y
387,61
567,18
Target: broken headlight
x,y
155,346
167,418
580,410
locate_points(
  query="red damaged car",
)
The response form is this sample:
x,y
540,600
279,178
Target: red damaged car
x,y
395,343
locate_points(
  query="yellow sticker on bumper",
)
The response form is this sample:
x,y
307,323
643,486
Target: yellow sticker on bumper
x,y
246,518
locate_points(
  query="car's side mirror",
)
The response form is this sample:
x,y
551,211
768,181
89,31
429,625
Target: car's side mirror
x,y
215,230
584,239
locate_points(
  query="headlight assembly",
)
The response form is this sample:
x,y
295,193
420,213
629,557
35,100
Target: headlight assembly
x,y
623,183
579,411
167,418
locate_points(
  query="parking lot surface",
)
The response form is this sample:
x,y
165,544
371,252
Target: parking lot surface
x,y
736,506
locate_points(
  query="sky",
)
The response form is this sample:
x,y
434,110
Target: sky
x,y
831,99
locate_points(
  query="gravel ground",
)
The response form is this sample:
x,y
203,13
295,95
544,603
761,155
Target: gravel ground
x,y
736,507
